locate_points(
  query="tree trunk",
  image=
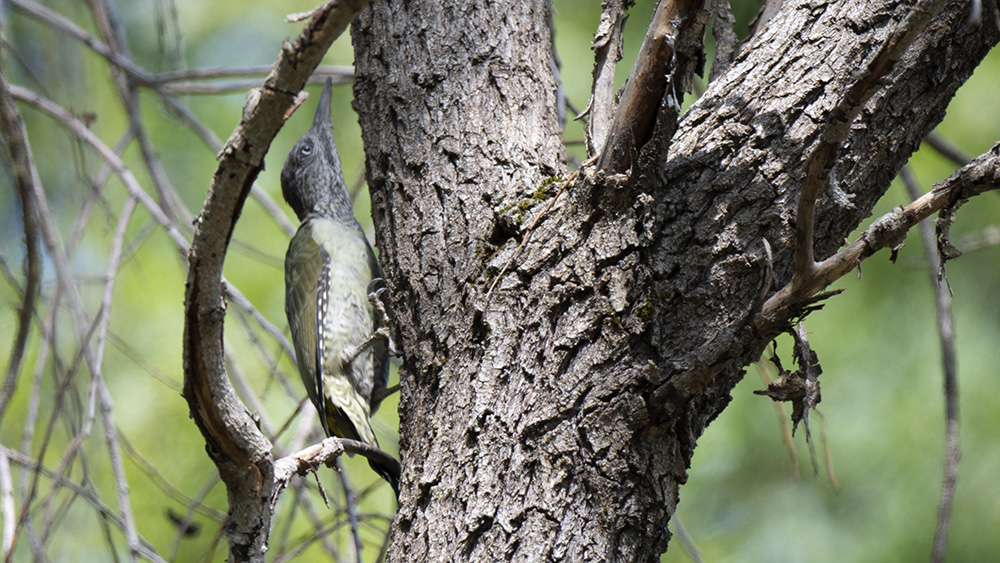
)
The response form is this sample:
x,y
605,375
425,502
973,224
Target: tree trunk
x,y
555,418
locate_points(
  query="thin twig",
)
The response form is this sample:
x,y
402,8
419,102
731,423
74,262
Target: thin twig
x,y
7,507
96,195
185,82
786,433
307,539
110,276
350,506
145,548
78,128
68,28
685,538
946,334
64,275
197,501
831,475
29,479
169,488
140,77
307,502
66,118
339,74
14,127
324,453
108,23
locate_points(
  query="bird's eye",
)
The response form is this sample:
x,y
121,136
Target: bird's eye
x,y
306,149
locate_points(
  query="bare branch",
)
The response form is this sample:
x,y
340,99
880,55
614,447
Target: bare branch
x,y
67,27
51,238
819,164
981,175
325,453
7,506
78,128
159,480
339,74
145,548
352,514
139,77
66,118
106,16
195,504
25,179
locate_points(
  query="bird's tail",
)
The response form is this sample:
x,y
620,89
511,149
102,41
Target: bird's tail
x,y
387,472
347,417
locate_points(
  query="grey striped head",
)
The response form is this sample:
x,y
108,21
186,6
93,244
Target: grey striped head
x,y
312,181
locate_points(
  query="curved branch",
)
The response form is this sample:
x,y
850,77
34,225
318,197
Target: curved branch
x,y
234,442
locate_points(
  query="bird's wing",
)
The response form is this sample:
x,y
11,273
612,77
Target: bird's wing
x,y
322,305
303,271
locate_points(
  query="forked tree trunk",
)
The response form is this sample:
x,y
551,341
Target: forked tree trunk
x,y
557,423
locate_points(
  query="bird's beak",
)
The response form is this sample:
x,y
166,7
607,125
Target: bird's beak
x,y
322,121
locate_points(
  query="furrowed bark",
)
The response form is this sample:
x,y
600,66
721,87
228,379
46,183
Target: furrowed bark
x,y
558,423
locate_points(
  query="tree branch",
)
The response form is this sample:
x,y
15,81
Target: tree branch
x,y
235,444
25,178
145,548
819,164
981,175
161,84
111,158
325,453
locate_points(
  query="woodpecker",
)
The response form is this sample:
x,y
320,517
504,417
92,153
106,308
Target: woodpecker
x,y
329,267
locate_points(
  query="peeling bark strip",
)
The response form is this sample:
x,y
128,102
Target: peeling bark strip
x,y
558,424
661,75
238,448
607,48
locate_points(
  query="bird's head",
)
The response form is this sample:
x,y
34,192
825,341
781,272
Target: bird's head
x,y
311,179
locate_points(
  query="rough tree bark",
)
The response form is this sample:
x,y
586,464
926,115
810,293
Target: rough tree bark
x,y
557,422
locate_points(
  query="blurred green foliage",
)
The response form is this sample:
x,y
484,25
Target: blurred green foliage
x,y
877,342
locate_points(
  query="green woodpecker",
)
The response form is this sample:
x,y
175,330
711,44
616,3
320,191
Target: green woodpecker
x,y
328,269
